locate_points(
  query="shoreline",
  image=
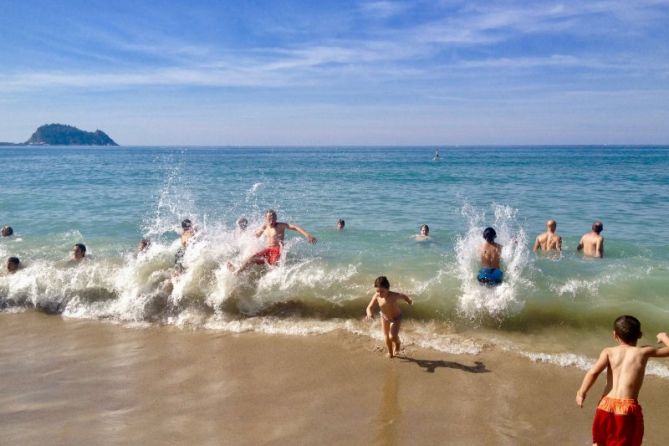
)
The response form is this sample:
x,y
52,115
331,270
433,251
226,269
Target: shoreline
x,y
71,381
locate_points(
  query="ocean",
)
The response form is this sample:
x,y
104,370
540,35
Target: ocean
x,y
552,309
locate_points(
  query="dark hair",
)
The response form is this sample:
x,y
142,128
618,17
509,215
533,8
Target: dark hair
x,y
145,242
14,260
598,226
81,247
627,328
341,222
427,228
271,211
7,231
489,235
186,224
382,282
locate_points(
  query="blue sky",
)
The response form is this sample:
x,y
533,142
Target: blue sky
x,y
338,72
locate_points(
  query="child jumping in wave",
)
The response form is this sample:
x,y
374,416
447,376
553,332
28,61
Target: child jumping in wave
x,y
391,315
618,419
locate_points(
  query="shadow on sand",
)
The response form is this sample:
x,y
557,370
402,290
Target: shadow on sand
x,y
431,365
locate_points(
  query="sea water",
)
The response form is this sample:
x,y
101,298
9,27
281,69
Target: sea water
x,y
550,308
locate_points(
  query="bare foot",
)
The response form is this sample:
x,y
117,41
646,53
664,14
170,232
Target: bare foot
x,y
390,356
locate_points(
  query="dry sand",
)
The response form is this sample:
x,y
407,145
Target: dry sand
x,y
66,382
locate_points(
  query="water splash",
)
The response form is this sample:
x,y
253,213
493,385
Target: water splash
x,y
476,301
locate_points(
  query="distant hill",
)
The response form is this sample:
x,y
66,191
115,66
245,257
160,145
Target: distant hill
x,y
66,135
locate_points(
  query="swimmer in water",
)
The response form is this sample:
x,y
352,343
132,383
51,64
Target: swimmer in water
x,y
592,244
78,252
491,253
340,224
7,231
275,232
549,240
424,234
143,245
242,224
13,264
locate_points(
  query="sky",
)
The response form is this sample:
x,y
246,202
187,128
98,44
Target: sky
x,y
338,72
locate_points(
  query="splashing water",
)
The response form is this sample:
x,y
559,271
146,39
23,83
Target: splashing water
x,y
476,301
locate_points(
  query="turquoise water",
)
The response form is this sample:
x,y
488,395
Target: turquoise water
x,y
109,198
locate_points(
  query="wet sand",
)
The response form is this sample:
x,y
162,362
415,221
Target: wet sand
x,y
67,382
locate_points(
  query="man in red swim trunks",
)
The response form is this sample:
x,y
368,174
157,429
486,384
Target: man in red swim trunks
x,y
275,232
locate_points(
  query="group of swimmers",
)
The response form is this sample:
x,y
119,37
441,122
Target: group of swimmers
x,y
618,418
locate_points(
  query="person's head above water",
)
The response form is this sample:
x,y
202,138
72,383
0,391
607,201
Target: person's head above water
x,y
79,251
597,227
242,223
186,225
489,235
340,224
382,282
270,217
13,264
7,231
551,225
143,245
627,329
425,230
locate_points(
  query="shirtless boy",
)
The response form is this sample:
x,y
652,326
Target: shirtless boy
x,y
549,240
491,253
275,232
592,244
618,419
391,315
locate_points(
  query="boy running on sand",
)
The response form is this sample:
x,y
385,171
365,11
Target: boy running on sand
x,y
391,315
618,419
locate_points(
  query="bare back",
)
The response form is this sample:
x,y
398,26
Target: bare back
x,y
548,241
625,370
592,245
490,255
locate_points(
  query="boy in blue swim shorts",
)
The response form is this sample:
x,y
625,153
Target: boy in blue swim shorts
x,y
491,253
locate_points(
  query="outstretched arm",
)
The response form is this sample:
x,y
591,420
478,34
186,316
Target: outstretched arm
x,y
370,307
591,377
407,299
310,238
661,352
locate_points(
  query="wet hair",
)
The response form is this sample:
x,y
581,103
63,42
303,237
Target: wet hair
x,y
7,231
489,235
627,328
427,228
186,224
242,222
14,261
341,222
144,243
598,226
271,211
81,247
382,282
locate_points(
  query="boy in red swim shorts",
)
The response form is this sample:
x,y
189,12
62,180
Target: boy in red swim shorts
x,y
618,419
275,232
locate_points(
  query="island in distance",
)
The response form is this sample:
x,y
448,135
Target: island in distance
x,y
66,135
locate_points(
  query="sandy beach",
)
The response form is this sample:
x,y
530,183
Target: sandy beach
x,y
89,382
